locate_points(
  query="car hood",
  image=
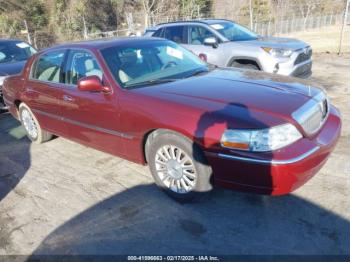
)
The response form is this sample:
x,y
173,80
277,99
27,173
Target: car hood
x,y
253,91
11,68
278,42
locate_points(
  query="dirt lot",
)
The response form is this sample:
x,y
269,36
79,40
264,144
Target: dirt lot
x,y
325,39
63,198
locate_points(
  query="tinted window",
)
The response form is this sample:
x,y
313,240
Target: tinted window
x,y
158,33
197,34
48,67
15,51
175,33
81,64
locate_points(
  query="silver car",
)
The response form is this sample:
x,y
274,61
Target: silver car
x,y
227,44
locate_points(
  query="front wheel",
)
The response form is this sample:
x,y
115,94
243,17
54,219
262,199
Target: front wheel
x,y
31,125
178,166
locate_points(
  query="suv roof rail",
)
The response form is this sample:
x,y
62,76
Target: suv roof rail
x,y
199,20
184,21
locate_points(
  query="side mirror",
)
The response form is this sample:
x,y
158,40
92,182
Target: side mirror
x,y
212,41
92,84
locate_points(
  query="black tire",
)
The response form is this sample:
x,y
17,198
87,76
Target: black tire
x,y
250,66
203,171
42,135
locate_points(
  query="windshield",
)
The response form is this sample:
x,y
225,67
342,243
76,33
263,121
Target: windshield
x,y
15,51
234,32
149,62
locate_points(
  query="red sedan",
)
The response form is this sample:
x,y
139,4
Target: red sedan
x,y
151,101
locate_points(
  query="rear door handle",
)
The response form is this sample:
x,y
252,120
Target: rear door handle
x,y
68,98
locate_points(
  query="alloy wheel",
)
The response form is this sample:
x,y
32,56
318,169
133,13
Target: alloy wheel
x,y
29,123
175,168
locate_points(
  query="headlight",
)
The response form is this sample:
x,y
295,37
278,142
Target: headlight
x,y
261,140
277,52
2,78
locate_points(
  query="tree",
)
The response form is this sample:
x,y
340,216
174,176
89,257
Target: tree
x,y
194,8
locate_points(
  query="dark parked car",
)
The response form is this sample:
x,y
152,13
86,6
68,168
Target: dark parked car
x,y
13,56
151,101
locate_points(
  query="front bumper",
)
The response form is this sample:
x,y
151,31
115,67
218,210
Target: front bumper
x,y
302,70
279,172
297,65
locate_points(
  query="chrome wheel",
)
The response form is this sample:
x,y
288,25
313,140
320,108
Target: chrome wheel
x,y
175,169
29,123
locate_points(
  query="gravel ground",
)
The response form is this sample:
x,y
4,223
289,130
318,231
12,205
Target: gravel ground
x,y
64,198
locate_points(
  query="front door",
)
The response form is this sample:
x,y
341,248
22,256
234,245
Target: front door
x,y
91,118
196,36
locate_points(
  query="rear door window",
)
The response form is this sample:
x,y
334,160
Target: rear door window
x,y
176,34
48,67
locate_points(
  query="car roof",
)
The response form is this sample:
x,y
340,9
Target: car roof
x,y
6,40
215,21
200,21
105,42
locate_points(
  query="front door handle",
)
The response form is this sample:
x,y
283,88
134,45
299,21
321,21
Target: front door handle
x,y
68,98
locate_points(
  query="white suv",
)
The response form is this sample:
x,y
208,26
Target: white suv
x,y
225,43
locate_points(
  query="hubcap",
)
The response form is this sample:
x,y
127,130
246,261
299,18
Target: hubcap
x,y
175,169
29,123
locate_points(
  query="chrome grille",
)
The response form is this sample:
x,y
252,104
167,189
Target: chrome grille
x,y
313,114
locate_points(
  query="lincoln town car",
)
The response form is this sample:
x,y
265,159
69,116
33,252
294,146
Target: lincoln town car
x,y
150,101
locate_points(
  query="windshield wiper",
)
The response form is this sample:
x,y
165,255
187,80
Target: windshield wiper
x,y
197,72
151,82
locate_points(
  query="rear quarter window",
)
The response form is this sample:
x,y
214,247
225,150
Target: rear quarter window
x,y
159,33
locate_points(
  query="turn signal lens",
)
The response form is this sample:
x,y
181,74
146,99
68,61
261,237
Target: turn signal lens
x,y
267,49
261,140
241,146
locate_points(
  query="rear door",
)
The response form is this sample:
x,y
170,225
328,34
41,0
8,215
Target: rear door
x,y
91,118
44,93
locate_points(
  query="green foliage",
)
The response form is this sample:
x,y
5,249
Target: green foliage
x,y
191,7
63,20
9,25
261,10
35,14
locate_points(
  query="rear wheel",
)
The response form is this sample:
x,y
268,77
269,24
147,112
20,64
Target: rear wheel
x,y
31,125
178,166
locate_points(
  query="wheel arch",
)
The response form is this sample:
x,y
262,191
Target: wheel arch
x,y
245,58
151,134
17,103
